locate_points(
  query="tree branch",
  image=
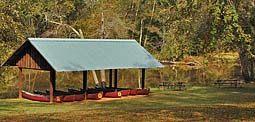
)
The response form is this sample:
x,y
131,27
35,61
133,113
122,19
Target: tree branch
x,y
65,25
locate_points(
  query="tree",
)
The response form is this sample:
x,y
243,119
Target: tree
x,y
227,29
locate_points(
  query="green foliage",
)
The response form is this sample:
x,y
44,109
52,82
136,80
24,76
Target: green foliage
x,y
199,26
228,30
169,29
195,27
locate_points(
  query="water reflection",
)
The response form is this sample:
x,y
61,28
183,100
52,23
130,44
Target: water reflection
x,y
193,75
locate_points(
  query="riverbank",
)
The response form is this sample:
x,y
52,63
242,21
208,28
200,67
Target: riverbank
x,y
196,103
229,57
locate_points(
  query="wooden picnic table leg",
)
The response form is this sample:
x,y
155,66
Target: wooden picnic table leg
x,y
164,85
168,86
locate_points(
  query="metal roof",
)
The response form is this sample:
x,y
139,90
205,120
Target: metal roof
x,y
93,54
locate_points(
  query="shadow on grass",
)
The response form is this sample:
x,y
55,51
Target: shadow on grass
x,y
14,103
194,104
143,114
209,95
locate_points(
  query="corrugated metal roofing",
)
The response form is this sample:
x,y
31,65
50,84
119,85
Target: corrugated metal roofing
x,y
93,54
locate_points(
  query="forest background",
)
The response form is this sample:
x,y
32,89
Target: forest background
x,y
169,29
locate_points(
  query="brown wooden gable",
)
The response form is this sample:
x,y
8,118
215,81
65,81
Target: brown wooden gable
x,y
28,57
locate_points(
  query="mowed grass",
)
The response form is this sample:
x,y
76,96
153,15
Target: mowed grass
x,y
196,103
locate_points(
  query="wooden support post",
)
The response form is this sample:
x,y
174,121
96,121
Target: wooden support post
x,y
52,84
85,76
115,78
53,75
20,83
143,77
110,78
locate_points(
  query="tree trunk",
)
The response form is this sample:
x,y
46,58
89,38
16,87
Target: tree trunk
x,y
246,65
152,14
141,32
103,79
252,69
136,14
95,78
140,41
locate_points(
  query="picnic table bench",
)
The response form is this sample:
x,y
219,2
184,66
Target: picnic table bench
x,y
233,83
164,85
167,85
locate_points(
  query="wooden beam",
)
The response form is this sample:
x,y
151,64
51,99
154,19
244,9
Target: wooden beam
x,y
143,77
84,88
110,78
52,84
20,83
115,78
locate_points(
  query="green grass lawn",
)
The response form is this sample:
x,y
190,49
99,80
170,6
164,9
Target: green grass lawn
x,y
196,103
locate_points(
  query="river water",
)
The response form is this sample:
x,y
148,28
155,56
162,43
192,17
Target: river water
x,y
192,75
